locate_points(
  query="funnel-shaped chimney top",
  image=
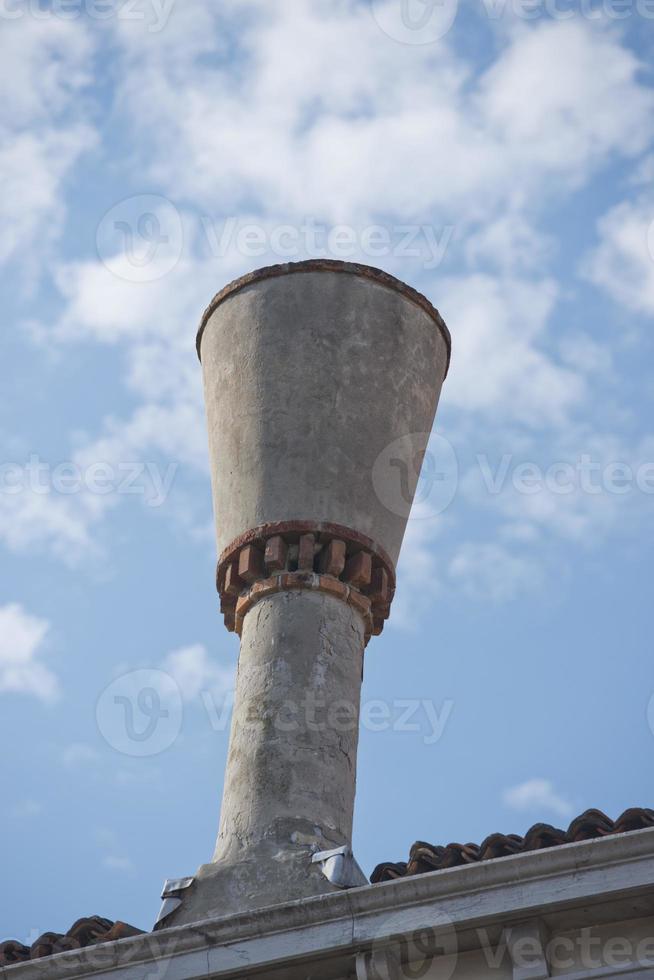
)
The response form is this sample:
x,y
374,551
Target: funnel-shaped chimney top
x,y
321,383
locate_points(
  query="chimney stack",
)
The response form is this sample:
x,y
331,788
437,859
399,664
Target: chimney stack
x,y
311,371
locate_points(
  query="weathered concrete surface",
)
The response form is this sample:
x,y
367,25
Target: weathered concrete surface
x,y
308,377
291,768
295,729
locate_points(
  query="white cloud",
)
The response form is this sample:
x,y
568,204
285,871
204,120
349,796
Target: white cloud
x,y
21,639
500,366
196,672
116,862
623,261
32,168
537,795
419,572
374,125
490,571
128,777
176,431
580,352
565,121
134,459
115,858
644,172
79,754
46,65
32,520
510,244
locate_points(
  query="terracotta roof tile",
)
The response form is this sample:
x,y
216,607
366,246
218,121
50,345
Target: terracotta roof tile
x,y
593,823
84,932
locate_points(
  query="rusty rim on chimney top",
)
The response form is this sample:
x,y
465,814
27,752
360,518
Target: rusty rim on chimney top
x,y
329,265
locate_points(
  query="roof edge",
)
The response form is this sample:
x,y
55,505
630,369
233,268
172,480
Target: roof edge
x,y
576,875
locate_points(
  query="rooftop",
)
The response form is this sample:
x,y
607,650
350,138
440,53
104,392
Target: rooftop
x,y
84,932
598,883
435,857
423,858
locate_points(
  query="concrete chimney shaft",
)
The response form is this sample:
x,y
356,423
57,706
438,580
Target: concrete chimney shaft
x,y
311,371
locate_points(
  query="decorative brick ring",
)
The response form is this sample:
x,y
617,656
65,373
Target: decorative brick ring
x,y
306,555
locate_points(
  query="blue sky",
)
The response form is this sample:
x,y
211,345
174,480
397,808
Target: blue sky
x,y
497,156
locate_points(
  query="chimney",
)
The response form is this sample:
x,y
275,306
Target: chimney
x,y
321,381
